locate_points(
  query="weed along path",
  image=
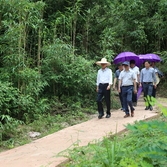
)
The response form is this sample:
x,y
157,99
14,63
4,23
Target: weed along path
x,y
42,152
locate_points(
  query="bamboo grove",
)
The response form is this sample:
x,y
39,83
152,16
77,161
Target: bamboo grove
x,y
48,48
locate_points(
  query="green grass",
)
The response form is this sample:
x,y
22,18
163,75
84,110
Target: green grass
x,y
143,146
46,124
50,123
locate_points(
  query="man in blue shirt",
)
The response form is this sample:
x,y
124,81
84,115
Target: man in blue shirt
x,y
103,83
148,81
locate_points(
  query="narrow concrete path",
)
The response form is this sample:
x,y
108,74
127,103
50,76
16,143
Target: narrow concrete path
x,y
42,152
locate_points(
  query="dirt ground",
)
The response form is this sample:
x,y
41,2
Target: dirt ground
x,y
43,152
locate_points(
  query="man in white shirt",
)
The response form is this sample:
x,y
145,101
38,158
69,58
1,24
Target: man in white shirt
x,y
104,82
127,84
137,73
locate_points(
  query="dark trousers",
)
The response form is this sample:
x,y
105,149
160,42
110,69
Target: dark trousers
x,y
148,90
120,98
127,98
134,96
154,92
103,92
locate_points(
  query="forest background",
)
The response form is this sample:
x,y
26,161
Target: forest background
x,y
48,51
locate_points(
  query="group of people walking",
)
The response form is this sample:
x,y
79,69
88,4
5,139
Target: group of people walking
x,y
128,79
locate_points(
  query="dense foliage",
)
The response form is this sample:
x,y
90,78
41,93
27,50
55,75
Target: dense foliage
x,y
48,49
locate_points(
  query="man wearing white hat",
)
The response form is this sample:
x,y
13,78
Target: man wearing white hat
x,y
104,82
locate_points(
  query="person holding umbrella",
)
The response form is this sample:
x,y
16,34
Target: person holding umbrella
x,y
127,83
104,82
148,81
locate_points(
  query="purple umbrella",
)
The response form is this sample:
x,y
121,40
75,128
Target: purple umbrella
x,y
150,56
125,56
139,92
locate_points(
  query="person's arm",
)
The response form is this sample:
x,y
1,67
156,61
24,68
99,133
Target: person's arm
x,y
154,79
97,82
115,81
134,82
141,78
119,82
160,73
138,76
110,80
119,85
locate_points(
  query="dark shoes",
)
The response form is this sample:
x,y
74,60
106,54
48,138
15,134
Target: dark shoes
x,y
100,116
108,115
147,108
127,115
132,112
151,108
134,104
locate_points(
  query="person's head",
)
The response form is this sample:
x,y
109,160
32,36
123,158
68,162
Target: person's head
x,y
126,65
103,63
153,64
120,66
147,64
132,63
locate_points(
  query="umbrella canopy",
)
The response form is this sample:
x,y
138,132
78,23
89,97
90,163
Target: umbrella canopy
x,y
125,56
150,56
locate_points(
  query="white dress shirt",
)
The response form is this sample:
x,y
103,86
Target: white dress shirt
x,y
104,76
136,71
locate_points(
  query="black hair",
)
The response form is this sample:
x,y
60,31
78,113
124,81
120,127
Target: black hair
x,y
119,64
132,62
148,61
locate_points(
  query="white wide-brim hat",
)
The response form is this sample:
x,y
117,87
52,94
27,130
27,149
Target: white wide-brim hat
x,y
103,61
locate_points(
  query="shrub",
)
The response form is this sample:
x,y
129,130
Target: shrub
x,y
145,145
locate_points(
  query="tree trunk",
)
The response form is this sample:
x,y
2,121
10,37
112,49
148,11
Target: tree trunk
x,y
39,49
74,34
39,46
0,20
